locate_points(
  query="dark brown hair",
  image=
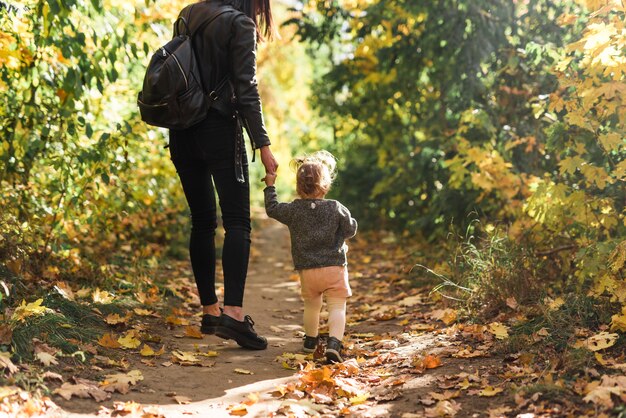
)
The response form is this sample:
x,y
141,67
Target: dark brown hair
x,y
258,10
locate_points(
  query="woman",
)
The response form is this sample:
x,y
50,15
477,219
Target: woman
x,y
211,156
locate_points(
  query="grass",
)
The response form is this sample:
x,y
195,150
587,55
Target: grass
x,y
489,270
69,324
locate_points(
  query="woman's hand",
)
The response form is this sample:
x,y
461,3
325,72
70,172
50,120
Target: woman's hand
x,y
268,160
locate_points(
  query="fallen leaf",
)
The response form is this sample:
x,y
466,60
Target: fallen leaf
x,y
512,303
46,359
598,342
490,391
129,340
238,410
243,371
64,290
359,399
175,320
102,296
502,411
209,353
52,376
411,300
108,341
184,358
143,312
6,363
115,319
443,409
193,332
83,389
147,351
121,382
182,400
26,310
447,316
500,331
6,334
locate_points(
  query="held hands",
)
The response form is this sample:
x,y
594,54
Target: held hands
x,y
269,179
268,160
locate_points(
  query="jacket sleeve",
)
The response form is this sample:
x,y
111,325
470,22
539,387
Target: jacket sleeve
x,y
274,209
243,65
347,224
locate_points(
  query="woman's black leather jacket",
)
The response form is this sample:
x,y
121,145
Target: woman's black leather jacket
x,y
227,47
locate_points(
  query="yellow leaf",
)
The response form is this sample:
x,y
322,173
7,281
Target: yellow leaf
x,y
238,410
490,391
243,371
556,304
598,342
29,309
121,382
146,351
209,353
115,319
129,340
359,399
611,141
184,358
143,312
102,296
499,330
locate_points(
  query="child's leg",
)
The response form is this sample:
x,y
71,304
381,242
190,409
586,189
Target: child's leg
x,y
312,307
336,316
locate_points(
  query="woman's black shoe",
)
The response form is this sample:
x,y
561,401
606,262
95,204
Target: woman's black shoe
x,y
209,324
241,331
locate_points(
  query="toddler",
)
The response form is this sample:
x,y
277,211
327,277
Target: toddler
x,y
318,228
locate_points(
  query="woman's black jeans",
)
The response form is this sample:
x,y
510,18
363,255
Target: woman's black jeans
x,y
204,157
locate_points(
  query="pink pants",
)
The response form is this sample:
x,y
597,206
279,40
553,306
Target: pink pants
x,y
331,282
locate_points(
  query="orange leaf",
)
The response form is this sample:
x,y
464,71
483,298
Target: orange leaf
x,y
108,341
430,361
193,332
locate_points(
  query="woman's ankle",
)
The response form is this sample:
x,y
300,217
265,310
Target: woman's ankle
x,y
213,309
235,312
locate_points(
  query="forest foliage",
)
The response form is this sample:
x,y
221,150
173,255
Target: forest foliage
x,y
511,114
441,113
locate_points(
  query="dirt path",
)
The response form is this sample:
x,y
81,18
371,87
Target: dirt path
x,y
272,301
405,361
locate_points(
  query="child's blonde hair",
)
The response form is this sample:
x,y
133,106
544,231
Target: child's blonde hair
x,y
314,173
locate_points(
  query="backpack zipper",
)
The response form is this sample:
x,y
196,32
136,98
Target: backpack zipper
x,y
165,53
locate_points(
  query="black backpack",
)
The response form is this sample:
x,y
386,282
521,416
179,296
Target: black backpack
x,y
173,95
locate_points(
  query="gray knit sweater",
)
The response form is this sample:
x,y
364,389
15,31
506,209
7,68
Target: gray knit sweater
x,y
318,229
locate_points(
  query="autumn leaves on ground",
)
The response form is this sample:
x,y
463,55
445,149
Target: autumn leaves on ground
x,y
408,353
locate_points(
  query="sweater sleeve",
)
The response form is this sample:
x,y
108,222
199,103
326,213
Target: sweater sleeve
x,y
347,224
275,209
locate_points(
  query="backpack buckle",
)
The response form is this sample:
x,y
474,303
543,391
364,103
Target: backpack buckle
x,y
213,95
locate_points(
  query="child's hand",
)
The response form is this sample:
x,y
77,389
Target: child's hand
x,y
269,179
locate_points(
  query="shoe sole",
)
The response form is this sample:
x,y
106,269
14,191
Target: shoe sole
x,y
228,334
333,356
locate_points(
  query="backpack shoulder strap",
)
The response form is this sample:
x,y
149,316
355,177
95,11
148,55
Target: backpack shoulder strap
x,y
220,11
